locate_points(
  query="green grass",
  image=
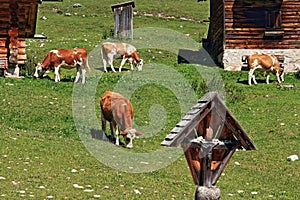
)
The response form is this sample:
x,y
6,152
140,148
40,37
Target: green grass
x,y
45,143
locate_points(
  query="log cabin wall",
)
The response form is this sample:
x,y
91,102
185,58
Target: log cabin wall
x,y
215,37
255,26
262,24
17,22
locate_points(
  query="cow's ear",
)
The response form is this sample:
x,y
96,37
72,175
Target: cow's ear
x,y
138,133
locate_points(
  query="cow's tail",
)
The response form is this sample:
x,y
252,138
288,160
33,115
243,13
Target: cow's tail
x,y
101,51
87,64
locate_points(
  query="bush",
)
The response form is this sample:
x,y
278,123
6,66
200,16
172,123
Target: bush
x,y
28,69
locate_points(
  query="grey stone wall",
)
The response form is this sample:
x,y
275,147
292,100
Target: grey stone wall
x,y
232,58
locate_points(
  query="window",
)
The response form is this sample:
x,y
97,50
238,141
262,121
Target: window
x,y
273,19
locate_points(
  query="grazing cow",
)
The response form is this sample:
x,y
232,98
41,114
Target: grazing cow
x,y
264,62
127,52
66,58
118,111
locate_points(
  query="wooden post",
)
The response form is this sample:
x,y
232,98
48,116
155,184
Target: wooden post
x,y
205,190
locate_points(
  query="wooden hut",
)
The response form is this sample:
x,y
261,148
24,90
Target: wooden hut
x,y
17,22
123,17
244,27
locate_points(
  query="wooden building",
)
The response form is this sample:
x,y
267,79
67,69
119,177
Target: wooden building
x,y
17,22
244,27
123,17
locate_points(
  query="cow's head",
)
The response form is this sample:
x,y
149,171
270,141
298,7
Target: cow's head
x,y
131,134
139,64
39,70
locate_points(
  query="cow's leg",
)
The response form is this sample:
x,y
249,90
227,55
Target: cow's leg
x,y
117,136
268,77
131,66
77,74
254,80
130,145
111,62
281,77
251,72
250,75
103,123
56,72
112,127
122,63
104,64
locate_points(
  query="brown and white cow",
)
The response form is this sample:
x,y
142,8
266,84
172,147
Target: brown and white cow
x,y
267,63
114,50
66,58
118,111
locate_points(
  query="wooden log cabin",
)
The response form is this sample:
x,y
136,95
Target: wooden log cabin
x,y
17,22
244,27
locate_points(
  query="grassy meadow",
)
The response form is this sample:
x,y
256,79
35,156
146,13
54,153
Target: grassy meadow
x,y
46,149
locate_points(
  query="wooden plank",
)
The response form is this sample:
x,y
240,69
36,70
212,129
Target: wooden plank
x,y
2,42
22,57
21,50
175,130
3,51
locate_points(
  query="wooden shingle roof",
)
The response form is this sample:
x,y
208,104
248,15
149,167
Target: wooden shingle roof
x,y
210,106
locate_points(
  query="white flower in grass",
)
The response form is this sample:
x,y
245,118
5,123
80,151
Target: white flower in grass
x,y
78,186
50,197
42,187
240,191
73,170
2,178
15,182
136,191
88,190
254,193
237,163
97,196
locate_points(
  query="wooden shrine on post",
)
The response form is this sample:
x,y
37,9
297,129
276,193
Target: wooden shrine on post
x,y
209,135
123,17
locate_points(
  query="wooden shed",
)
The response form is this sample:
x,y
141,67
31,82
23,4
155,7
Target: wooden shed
x,y
17,22
123,17
244,27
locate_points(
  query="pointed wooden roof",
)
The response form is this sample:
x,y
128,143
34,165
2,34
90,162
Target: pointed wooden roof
x,y
124,4
210,106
